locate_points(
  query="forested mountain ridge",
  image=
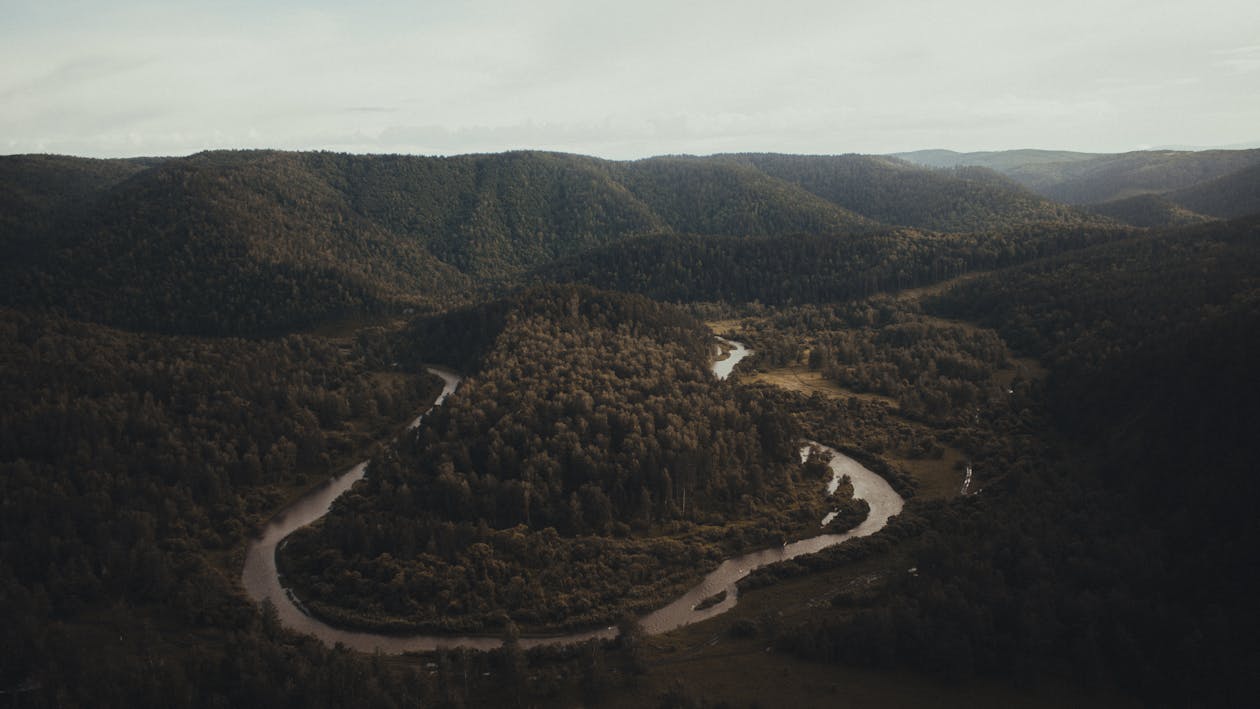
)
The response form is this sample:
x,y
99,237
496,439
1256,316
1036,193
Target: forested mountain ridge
x,y
895,192
998,160
1128,174
1083,178
1234,195
489,214
259,242
1085,314
803,268
224,243
714,195
44,194
1148,210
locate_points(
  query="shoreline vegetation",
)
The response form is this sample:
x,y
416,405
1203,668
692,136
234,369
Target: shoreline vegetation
x,y
494,625
626,569
585,632
679,552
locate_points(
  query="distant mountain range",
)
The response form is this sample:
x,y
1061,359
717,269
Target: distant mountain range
x,y
245,242
253,242
1094,178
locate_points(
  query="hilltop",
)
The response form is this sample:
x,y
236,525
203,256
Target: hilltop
x,y
1083,178
257,242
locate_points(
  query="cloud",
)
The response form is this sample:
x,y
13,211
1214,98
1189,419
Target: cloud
x,y
1242,60
74,73
631,79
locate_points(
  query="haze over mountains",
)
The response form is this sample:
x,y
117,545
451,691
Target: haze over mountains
x,y
1090,178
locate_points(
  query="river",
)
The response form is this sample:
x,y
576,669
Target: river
x,y
262,580
723,367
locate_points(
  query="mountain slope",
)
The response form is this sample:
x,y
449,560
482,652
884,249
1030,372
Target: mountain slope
x,y
1094,559
252,242
225,243
40,192
1234,195
1084,178
1148,210
1129,174
719,195
486,214
894,192
803,268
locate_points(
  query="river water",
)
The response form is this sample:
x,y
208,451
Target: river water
x,y
723,367
262,580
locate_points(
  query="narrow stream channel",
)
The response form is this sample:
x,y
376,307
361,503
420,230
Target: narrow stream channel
x,y
262,580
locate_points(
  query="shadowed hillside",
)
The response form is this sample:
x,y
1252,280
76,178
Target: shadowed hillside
x,y
1113,554
1148,210
895,192
41,195
1082,178
1234,195
256,242
225,243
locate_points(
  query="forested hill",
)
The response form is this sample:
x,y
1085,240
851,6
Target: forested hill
x,y
236,243
462,338
1148,210
45,194
806,268
258,242
1234,195
1084,178
591,414
896,192
1112,548
1151,347
1127,174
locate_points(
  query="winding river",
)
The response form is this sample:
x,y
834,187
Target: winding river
x,y
723,367
262,580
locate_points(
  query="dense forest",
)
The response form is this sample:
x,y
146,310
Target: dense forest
x,y
134,465
806,268
933,371
1148,210
891,191
588,468
279,241
1118,559
1063,395
1227,197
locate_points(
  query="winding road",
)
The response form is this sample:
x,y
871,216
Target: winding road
x,y
262,580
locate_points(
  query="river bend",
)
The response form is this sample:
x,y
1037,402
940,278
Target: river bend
x,y
262,580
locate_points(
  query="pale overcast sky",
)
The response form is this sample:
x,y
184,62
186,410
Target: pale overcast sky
x,y
626,79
